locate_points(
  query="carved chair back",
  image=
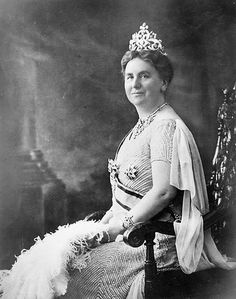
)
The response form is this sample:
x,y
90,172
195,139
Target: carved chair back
x,y
222,185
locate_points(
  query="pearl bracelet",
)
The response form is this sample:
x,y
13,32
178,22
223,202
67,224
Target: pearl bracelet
x,y
127,222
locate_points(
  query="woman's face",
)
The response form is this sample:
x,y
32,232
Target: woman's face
x,y
143,84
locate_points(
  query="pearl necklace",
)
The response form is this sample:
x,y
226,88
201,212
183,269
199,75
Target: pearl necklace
x,y
144,123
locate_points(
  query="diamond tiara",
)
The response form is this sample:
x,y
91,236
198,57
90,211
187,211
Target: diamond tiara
x,y
145,40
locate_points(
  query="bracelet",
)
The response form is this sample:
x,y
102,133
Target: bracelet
x,y
127,222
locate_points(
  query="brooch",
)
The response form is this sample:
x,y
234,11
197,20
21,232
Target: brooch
x,y
131,172
113,167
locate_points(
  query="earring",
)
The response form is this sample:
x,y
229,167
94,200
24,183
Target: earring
x,y
164,87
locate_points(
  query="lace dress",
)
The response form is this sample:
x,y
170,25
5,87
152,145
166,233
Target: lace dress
x,y
115,269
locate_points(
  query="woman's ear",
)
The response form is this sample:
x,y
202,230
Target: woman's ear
x,y
164,86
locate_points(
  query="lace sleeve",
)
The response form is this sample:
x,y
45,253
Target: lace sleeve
x,y
161,142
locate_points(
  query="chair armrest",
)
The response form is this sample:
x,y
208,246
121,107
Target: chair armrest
x,y
136,234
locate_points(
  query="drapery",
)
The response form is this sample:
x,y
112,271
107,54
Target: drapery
x,y
196,249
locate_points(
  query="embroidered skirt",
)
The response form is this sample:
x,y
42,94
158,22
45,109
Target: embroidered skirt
x,y
113,268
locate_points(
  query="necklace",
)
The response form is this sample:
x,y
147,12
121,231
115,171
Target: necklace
x,y
144,123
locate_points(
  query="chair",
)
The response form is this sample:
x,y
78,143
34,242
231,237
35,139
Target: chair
x,y
221,192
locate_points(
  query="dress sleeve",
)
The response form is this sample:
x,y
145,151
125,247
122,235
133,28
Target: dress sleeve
x,y
161,142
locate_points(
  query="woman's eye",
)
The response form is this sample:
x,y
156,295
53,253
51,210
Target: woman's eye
x,y
144,76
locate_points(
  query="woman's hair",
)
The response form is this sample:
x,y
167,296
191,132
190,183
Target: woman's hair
x,y
160,62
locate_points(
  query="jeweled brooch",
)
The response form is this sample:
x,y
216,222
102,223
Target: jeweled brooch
x,y
113,167
131,172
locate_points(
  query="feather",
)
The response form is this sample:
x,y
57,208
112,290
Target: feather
x,y
42,271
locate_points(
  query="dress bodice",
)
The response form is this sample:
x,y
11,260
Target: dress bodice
x,y
135,155
132,167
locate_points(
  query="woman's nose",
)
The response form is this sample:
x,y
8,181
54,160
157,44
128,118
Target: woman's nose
x,y
136,83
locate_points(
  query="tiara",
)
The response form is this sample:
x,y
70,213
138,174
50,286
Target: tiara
x,y
145,40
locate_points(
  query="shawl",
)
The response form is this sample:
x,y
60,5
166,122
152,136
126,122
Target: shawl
x,y
192,243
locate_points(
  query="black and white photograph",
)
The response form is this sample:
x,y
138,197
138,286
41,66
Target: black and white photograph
x,y
117,149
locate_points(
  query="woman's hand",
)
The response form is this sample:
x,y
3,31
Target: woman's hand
x,y
115,228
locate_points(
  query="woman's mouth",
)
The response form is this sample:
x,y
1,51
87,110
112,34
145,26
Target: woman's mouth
x,y
137,93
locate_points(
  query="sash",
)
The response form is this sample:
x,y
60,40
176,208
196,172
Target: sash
x,y
125,198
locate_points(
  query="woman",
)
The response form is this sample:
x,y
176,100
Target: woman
x,y
156,170
140,182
